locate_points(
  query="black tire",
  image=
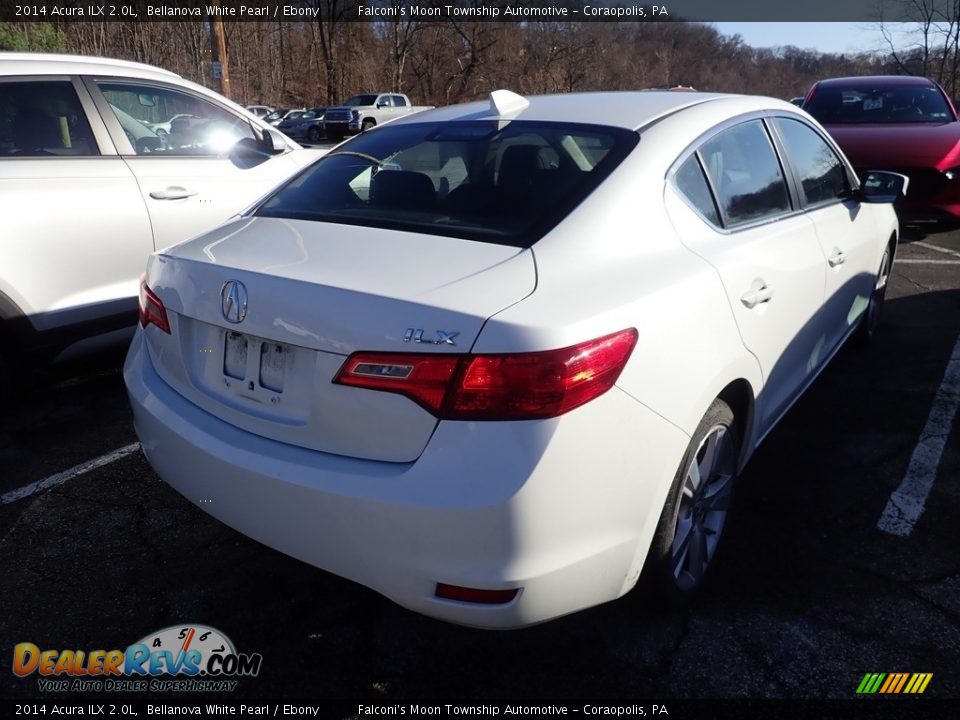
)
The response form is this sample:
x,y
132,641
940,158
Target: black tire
x,y
694,515
313,134
870,322
367,124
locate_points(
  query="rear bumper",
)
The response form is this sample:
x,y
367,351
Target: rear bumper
x,y
563,509
341,128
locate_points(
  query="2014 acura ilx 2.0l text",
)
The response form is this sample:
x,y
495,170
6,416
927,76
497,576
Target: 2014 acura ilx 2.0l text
x,y
490,360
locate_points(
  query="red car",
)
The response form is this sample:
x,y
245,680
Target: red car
x,y
901,123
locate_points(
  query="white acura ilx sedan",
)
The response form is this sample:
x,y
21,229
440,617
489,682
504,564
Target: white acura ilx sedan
x,y
493,359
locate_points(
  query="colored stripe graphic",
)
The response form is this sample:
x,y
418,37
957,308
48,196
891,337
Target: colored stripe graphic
x,y
894,683
918,683
891,679
870,683
900,684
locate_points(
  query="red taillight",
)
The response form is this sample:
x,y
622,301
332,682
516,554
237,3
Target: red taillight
x,y
538,385
151,308
475,595
513,386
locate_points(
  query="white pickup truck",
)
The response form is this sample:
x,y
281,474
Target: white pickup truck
x,y
364,111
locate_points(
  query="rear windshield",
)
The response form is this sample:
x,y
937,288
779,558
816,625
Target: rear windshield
x,y
506,183
866,104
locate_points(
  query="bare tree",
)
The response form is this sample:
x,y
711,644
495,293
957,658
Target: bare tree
x,y
404,32
330,31
932,47
439,62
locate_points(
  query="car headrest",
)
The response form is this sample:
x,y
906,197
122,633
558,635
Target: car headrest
x,y
402,189
33,130
518,166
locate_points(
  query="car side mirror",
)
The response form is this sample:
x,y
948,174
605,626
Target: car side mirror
x,y
381,104
272,142
247,152
880,186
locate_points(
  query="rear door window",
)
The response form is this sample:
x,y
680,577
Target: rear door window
x,y
820,172
745,174
43,119
692,184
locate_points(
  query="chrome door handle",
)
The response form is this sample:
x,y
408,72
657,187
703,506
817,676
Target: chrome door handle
x,y
172,193
757,297
838,258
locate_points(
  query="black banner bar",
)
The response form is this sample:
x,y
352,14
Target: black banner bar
x,y
109,707
474,10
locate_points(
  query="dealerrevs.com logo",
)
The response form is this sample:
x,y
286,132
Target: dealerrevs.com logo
x,y
178,658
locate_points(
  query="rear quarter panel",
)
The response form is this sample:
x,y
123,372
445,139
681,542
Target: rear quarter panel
x,y
616,262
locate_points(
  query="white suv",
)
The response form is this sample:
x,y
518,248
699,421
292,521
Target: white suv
x,y
101,163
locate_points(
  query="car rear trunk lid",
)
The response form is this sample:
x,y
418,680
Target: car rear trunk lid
x,y
312,293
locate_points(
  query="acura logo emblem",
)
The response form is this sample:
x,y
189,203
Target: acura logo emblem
x,y
233,301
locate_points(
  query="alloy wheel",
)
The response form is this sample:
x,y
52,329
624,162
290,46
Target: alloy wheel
x,y
704,503
879,293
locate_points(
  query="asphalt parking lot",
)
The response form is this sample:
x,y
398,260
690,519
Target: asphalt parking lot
x,y
808,595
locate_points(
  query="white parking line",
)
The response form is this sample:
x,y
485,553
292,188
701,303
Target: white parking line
x,y
62,477
907,502
913,261
928,246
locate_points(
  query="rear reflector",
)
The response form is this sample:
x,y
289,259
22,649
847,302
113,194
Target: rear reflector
x,y
510,386
422,378
473,595
151,308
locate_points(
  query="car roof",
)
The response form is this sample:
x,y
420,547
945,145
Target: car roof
x,y
15,63
876,80
630,110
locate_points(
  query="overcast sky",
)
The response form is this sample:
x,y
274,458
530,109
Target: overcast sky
x,y
832,37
